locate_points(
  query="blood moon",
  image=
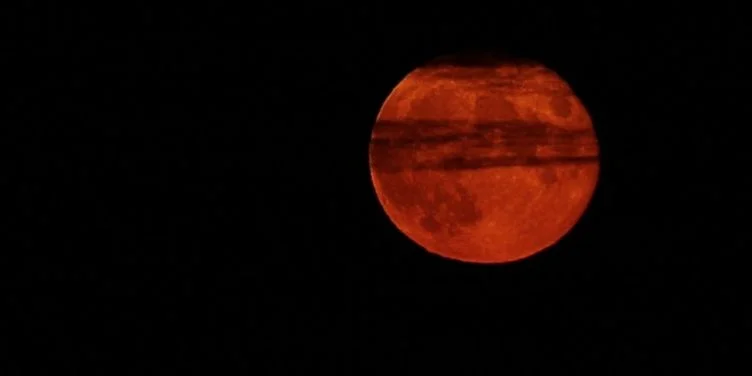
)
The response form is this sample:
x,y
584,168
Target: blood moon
x,y
485,161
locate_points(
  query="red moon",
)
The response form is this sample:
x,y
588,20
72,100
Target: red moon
x,y
484,161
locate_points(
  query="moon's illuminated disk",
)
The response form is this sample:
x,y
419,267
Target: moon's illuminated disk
x,y
485,162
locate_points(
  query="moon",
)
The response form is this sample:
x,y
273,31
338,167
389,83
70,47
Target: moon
x,y
483,159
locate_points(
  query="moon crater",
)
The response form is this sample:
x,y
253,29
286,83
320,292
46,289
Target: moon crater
x,y
561,107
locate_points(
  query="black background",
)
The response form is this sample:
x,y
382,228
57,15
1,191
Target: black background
x,y
190,192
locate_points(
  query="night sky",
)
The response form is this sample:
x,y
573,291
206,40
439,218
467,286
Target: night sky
x,y
190,192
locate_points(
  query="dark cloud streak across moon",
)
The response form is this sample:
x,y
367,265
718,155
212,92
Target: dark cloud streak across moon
x,y
450,145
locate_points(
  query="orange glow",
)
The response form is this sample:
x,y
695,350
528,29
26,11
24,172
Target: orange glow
x,y
484,163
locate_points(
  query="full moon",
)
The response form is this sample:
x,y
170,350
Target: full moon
x,y
483,159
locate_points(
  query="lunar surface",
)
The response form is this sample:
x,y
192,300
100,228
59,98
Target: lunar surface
x,y
486,161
